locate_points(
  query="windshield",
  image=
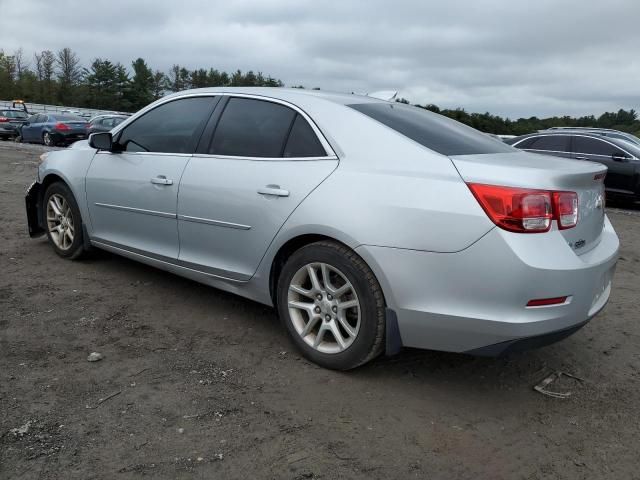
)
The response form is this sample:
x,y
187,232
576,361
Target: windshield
x,y
69,118
13,114
436,132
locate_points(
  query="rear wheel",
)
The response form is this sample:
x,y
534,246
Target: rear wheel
x,y
63,221
332,305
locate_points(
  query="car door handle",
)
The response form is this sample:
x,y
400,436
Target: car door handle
x,y
161,180
273,190
581,158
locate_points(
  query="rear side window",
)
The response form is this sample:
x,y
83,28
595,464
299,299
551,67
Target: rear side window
x,y
303,141
252,128
550,143
173,127
436,132
593,146
525,143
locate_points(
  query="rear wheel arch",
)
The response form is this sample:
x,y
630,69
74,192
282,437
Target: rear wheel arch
x,y
291,246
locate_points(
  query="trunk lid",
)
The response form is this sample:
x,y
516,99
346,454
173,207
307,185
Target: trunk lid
x,y
530,170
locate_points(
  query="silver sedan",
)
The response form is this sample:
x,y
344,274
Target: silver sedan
x,y
370,225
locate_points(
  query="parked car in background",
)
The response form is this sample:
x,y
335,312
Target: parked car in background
x,y
368,224
605,132
53,129
621,157
104,123
11,119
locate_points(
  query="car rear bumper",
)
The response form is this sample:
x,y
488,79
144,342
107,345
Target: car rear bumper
x,y
6,130
475,300
68,137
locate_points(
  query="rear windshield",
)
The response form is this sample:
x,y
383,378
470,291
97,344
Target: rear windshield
x,y
69,118
12,114
436,132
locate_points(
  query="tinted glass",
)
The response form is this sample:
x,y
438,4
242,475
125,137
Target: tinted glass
x,y
173,127
67,118
303,141
252,128
13,114
594,146
525,143
551,143
433,131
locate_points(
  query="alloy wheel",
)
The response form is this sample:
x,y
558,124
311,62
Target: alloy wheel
x,y
47,139
60,221
324,307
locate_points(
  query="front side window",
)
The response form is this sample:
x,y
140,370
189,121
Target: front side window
x,y
252,128
593,146
173,127
551,143
436,132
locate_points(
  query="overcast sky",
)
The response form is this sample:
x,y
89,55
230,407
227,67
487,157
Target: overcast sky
x,y
509,57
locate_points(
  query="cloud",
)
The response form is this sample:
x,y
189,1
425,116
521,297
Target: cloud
x,y
514,58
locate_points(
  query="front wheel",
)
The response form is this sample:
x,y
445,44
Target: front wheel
x,y
63,221
47,139
332,306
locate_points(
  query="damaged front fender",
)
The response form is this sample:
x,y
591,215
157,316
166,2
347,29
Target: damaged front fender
x,y
32,201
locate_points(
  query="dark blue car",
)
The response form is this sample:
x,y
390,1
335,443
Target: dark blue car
x,y
54,129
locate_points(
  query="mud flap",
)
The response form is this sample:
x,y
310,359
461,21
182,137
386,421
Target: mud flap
x,y
393,341
32,200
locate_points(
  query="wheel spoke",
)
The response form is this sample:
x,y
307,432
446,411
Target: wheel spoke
x,y
337,335
320,335
342,290
54,206
313,276
347,304
309,326
348,328
302,291
307,307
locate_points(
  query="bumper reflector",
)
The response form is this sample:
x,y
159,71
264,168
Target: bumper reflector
x,y
543,302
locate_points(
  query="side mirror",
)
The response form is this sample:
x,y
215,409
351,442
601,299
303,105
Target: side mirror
x,y
101,141
619,157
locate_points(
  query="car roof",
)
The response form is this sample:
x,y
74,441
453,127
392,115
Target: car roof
x,y
619,142
286,94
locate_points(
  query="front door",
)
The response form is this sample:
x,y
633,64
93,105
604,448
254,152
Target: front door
x,y
132,195
620,173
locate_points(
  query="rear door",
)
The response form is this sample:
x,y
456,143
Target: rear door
x,y
556,145
620,174
132,195
248,176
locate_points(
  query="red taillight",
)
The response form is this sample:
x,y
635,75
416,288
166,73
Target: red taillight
x,y
523,210
515,209
565,205
543,302
3,119
62,127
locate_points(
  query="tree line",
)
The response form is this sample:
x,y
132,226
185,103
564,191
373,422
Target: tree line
x,y
624,120
60,78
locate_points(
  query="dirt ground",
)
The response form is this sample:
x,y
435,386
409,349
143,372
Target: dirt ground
x,y
197,383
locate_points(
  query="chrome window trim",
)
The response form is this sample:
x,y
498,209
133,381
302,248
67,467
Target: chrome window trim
x,y
631,156
155,154
330,153
136,210
217,223
262,159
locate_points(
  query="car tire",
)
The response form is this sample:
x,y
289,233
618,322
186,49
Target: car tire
x,y
48,140
305,314
62,221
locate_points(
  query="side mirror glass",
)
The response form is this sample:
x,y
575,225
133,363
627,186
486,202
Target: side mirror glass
x,y
101,141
